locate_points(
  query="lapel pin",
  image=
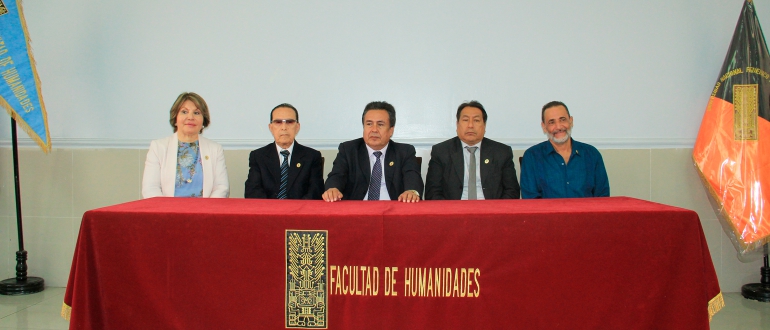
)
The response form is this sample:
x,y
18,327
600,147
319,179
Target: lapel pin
x,y
391,164
207,157
299,165
486,161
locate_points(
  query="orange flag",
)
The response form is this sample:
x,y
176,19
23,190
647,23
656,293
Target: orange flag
x,y
732,151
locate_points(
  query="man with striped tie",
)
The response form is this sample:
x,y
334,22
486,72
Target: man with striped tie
x,y
284,169
375,167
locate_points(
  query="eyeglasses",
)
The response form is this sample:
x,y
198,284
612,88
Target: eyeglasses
x,y
282,121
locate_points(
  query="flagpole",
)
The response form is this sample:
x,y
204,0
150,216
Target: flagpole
x,y
759,291
21,284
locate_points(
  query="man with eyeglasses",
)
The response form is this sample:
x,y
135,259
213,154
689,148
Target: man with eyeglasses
x,y
562,167
375,167
470,166
285,169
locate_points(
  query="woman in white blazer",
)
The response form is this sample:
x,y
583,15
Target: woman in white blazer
x,y
186,164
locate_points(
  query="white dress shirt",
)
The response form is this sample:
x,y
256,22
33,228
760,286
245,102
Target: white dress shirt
x,y
280,157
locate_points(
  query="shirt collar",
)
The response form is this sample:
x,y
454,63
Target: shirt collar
x,y
468,145
550,149
291,148
371,151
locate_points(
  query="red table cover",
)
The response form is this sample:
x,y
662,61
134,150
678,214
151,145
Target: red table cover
x,y
183,263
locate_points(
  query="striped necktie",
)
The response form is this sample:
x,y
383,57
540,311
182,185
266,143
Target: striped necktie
x,y
376,180
284,190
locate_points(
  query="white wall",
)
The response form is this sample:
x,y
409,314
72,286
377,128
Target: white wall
x,y
636,73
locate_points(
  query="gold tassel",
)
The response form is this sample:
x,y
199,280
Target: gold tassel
x,y
66,311
716,304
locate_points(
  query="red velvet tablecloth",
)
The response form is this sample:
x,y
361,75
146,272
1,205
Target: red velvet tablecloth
x,y
596,263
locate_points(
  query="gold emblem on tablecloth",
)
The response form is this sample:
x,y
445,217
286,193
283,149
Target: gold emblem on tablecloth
x,y
745,105
306,273
3,9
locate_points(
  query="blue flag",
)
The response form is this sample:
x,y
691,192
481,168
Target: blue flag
x,y
19,84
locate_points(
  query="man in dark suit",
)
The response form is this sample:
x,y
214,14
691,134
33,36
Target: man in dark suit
x,y
285,169
374,167
492,174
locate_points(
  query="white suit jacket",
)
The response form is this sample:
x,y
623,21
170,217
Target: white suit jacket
x,y
160,168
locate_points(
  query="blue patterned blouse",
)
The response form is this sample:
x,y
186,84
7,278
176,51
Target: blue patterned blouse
x,y
189,172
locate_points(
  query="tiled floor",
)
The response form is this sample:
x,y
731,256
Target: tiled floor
x,y
41,311
741,313
35,311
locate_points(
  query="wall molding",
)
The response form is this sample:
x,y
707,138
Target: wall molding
x,y
419,143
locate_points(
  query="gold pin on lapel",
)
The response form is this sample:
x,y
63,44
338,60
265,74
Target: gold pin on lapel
x,y
486,161
299,165
207,157
391,164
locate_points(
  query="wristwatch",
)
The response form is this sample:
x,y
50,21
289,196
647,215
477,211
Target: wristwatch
x,y
416,193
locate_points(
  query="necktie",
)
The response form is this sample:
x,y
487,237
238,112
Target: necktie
x,y
284,190
472,173
376,180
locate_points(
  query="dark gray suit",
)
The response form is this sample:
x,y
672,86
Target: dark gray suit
x,y
351,171
446,171
306,179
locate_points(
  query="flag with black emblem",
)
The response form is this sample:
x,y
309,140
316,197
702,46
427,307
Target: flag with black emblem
x,y
20,86
732,151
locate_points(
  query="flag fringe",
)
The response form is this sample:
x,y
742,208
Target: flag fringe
x,y
24,126
729,227
45,145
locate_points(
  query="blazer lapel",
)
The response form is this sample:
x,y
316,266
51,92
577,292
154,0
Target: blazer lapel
x,y
363,163
206,159
486,160
390,171
297,161
274,165
457,159
168,178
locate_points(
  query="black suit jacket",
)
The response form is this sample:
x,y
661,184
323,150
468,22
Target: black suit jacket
x,y
351,170
305,173
446,171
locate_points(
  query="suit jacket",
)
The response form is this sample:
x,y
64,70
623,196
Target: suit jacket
x,y
446,171
305,173
160,168
351,170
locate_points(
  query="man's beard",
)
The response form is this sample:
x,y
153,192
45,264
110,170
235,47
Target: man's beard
x,y
565,138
